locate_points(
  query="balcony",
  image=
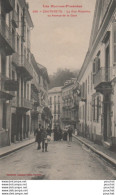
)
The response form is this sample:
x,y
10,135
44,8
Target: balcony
x,y
5,94
6,38
8,5
24,105
15,19
11,85
102,80
34,113
25,68
35,84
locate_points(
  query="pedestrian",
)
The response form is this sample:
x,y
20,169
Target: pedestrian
x,y
76,131
38,136
59,130
49,131
70,131
55,134
44,139
65,136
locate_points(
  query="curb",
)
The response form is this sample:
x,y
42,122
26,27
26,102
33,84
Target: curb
x,y
104,156
14,150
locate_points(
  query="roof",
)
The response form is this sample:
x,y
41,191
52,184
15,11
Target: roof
x,y
55,90
69,82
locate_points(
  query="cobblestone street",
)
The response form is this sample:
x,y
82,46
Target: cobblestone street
x,y
62,161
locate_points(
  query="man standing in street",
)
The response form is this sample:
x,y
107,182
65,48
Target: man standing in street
x,y
38,136
70,131
44,139
49,131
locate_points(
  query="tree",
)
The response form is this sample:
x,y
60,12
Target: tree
x,y
59,78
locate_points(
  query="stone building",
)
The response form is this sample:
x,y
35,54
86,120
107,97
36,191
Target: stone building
x,y
16,71
39,94
43,95
97,78
69,103
23,82
55,105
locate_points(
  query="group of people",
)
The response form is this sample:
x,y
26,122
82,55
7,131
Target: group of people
x,y
58,134
68,133
41,138
42,135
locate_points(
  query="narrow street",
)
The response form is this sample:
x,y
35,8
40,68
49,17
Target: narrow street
x,y
62,161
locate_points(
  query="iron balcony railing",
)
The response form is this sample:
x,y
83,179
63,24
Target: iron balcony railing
x,y
3,92
104,75
23,62
24,103
3,83
6,33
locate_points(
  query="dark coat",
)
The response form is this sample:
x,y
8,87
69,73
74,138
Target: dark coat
x,y
70,131
38,135
43,134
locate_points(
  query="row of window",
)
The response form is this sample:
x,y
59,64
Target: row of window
x,y
91,111
55,99
86,86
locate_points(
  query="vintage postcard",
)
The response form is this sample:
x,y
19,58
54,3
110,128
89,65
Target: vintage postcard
x,y
57,90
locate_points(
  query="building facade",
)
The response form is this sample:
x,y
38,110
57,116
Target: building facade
x,y
43,95
97,78
55,105
39,94
22,86
70,103
16,71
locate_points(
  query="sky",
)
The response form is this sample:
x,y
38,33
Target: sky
x,y
61,42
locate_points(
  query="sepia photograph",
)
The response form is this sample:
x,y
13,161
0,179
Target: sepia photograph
x,y
58,90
